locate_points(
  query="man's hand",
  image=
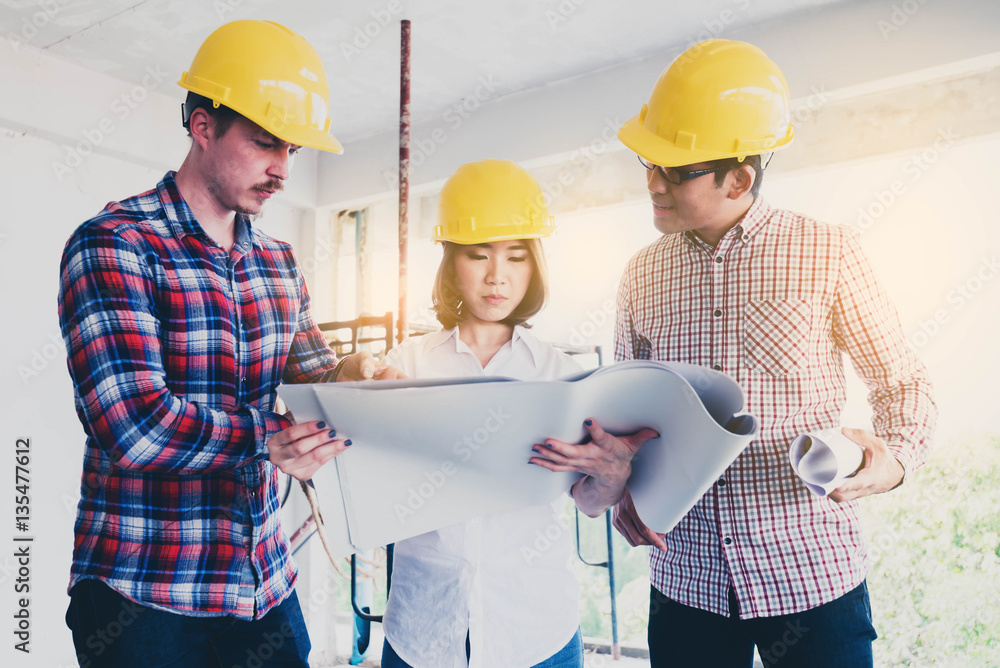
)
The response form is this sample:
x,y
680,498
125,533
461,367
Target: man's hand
x,y
301,449
362,366
879,472
627,521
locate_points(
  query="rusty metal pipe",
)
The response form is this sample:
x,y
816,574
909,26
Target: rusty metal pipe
x,y
404,174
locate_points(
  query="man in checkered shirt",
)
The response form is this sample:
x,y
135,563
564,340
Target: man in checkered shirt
x,y
773,299
180,320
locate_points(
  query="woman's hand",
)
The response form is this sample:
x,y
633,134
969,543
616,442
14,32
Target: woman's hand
x,y
300,450
606,460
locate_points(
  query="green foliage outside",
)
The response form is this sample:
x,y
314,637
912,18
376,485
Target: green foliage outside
x,y
631,585
935,561
934,572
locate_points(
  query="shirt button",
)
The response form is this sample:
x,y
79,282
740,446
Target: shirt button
x,y
718,260
722,483
717,367
727,540
253,494
717,313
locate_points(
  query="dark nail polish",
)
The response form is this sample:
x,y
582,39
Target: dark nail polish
x,y
589,423
333,432
321,425
347,442
548,445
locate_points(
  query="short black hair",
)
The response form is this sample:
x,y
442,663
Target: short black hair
x,y
221,114
732,164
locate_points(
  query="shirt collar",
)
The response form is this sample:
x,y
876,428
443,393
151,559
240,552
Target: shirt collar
x,y
528,340
182,219
521,337
440,337
753,221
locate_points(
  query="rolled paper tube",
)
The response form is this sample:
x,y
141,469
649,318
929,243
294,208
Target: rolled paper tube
x,y
825,459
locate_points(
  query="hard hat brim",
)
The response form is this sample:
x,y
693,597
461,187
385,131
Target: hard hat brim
x,y
473,239
657,150
310,138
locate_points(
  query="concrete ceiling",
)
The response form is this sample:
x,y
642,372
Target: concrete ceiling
x,y
515,45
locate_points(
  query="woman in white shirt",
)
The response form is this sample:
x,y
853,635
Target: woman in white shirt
x,y
481,593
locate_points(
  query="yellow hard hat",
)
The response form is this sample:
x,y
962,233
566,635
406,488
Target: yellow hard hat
x,y
491,200
719,99
270,75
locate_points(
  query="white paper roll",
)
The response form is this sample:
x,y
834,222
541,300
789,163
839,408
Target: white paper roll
x,y
825,459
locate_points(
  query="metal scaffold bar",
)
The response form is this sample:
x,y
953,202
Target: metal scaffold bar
x,y
404,173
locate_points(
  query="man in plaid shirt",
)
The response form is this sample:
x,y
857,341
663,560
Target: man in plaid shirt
x,y
180,320
774,299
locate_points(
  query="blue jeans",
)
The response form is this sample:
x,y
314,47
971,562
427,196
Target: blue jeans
x,y
836,634
570,656
110,631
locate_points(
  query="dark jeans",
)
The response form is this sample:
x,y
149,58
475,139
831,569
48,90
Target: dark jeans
x,y
836,634
110,631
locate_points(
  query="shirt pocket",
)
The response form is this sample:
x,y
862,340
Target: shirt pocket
x,y
777,335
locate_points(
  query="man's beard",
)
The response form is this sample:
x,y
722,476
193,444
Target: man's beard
x,y
252,215
274,185
216,189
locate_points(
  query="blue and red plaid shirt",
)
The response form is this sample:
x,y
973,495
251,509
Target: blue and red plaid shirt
x,y
176,348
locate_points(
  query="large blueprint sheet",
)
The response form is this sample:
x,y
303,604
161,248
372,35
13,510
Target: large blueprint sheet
x,y
430,453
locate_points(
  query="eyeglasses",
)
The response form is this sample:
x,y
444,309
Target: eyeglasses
x,y
678,176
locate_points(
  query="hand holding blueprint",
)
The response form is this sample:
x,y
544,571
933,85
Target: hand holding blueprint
x,y
430,453
825,459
